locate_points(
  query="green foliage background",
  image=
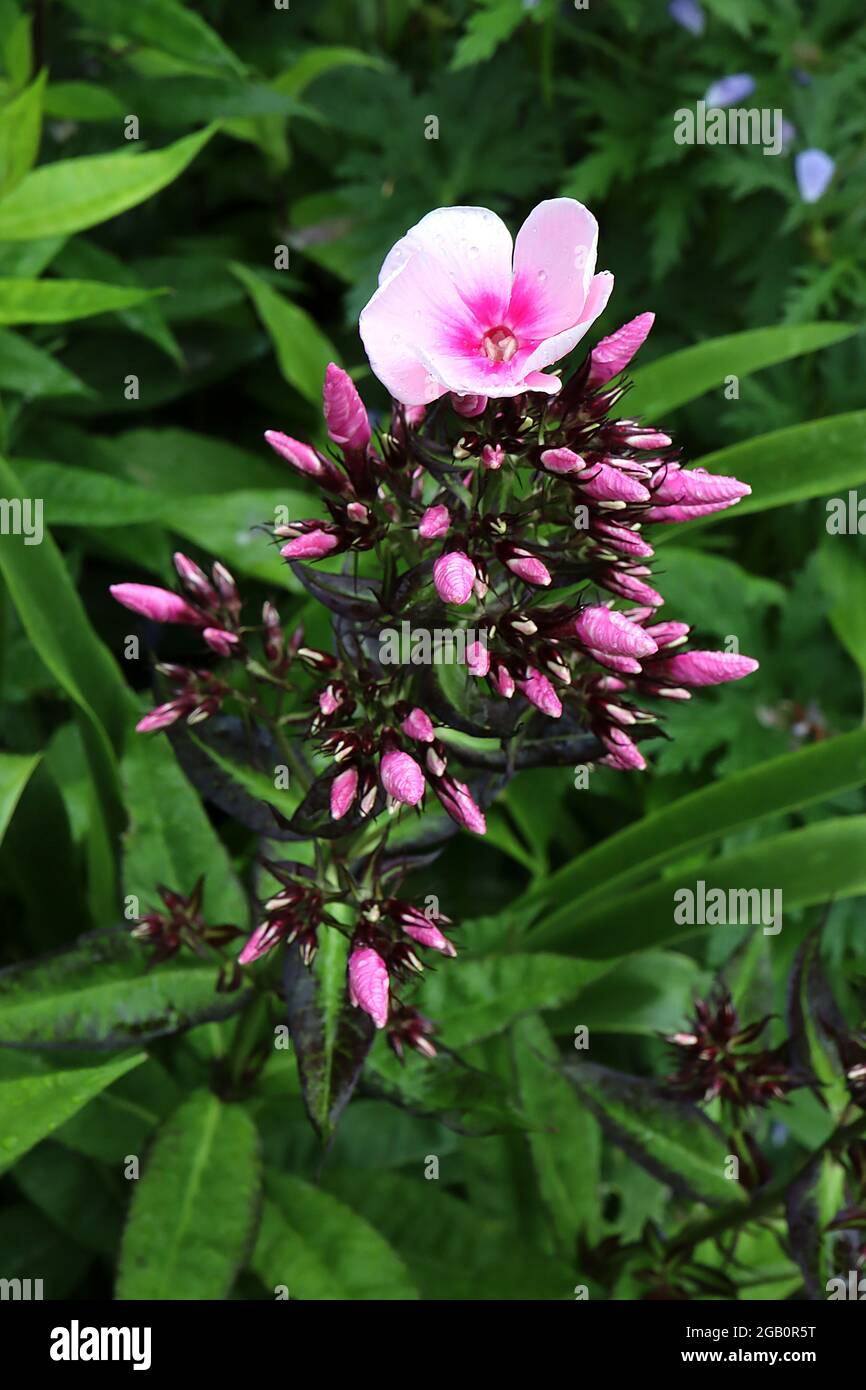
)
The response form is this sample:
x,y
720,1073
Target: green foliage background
x,y
154,257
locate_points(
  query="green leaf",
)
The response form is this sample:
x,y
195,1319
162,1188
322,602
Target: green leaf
x,y
72,1191
672,1140
319,1249
461,1097
644,994
843,576
16,770
452,1247
184,464
303,351
170,839
20,129
564,1140
38,1094
83,497
682,376
59,301
317,61
32,372
331,1038
56,623
82,259
194,1208
162,24
73,194
484,997
102,994
820,863
783,784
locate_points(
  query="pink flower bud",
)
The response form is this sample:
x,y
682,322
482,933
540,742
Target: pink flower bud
x,y
194,579
454,575
540,692
429,935
492,456
457,800
647,439
623,752
435,522
301,456
220,641
478,658
310,545
368,983
345,415
627,665
668,634
469,406
631,586
702,668
603,630
605,483
159,604
696,487
417,725
562,461
528,568
357,512
162,716
343,791
623,539
402,778
263,939
614,352
503,680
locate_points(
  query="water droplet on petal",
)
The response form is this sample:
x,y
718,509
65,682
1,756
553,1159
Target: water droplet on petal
x,y
542,275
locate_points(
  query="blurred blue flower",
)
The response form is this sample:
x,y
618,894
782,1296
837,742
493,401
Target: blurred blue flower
x,y
688,14
789,134
813,169
729,90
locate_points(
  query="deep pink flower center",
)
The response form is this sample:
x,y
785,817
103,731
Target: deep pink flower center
x,y
499,344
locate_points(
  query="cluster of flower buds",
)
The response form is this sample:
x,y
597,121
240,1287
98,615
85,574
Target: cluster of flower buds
x,y
373,755
714,1059
541,494
382,953
520,518
181,924
293,914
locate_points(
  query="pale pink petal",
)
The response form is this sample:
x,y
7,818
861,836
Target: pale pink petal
x,y
554,262
473,246
558,346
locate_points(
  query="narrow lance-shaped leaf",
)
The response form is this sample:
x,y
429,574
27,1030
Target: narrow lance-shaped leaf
x,y
318,1249
782,784
303,352
37,1095
330,1037
15,772
20,128
194,1209
59,301
73,194
680,377
672,1140
103,993
822,862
